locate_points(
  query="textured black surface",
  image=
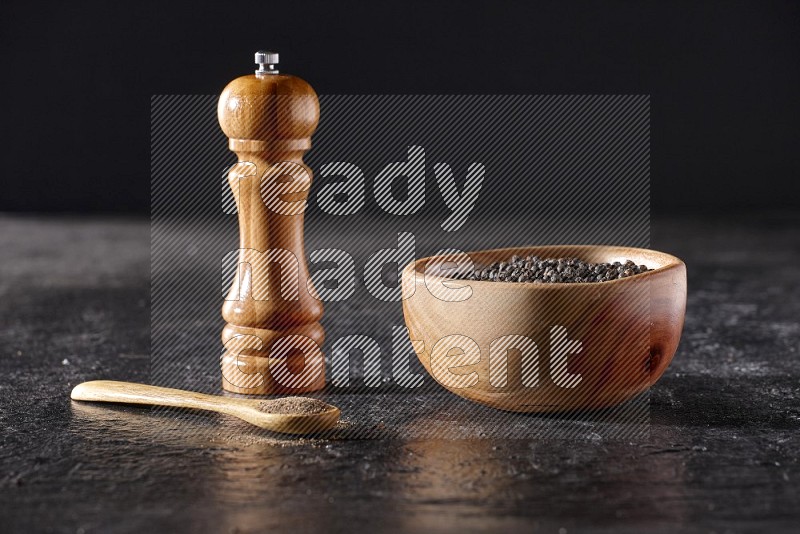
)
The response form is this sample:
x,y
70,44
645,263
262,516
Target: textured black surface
x,y
722,454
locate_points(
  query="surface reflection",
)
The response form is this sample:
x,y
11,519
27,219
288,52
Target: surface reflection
x,y
253,480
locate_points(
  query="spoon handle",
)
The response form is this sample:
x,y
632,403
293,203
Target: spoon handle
x,y
131,393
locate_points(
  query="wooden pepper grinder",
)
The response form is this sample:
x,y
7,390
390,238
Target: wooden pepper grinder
x,y
273,335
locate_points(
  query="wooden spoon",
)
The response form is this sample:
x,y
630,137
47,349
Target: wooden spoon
x,y
268,414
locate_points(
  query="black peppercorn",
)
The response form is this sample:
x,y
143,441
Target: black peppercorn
x,y
555,270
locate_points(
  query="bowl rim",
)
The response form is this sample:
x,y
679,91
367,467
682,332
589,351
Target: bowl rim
x,y
670,263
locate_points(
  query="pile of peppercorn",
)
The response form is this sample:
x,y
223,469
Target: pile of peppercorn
x,y
549,270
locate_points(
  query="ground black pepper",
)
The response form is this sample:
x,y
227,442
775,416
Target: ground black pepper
x,y
293,405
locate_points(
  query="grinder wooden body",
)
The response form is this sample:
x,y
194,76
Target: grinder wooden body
x,y
273,335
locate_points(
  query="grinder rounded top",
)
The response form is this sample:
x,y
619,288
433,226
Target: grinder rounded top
x,y
268,106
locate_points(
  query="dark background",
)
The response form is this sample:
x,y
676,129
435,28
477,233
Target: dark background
x,y
77,78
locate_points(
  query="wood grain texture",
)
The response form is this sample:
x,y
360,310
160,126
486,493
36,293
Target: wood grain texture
x,y
245,409
628,331
269,121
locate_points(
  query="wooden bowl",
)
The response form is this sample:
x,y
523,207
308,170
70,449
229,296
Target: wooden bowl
x,y
547,347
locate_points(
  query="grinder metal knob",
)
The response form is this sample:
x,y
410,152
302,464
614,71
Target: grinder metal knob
x,y
266,62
